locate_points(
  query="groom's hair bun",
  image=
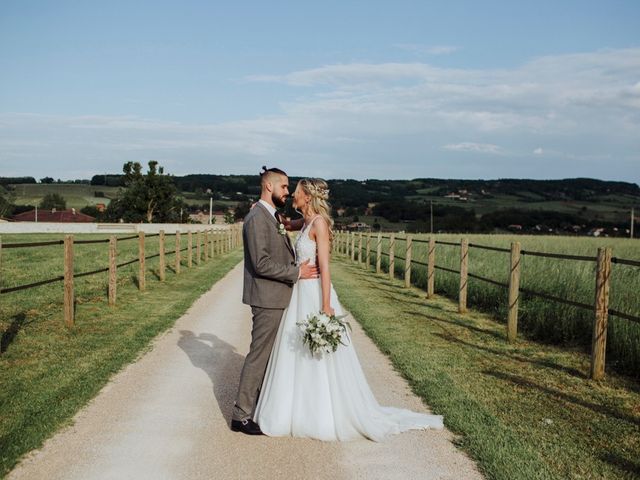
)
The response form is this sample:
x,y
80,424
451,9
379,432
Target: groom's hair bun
x,y
267,174
266,170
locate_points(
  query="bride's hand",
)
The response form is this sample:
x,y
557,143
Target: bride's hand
x,y
329,311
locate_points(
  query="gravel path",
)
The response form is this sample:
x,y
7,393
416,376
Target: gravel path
x,y
167,415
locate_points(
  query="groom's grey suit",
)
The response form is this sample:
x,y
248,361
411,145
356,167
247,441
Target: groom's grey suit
x,y
269,274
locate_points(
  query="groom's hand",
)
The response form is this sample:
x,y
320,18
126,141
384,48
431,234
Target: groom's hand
x,y
308,271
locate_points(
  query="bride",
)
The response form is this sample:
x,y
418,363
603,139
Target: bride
x,y
322,396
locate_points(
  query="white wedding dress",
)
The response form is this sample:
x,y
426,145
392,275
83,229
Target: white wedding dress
x,y
324,396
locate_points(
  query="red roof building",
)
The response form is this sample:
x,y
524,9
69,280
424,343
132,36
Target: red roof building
x,y
66,216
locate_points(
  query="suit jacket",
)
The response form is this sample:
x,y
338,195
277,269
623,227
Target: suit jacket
x,y
269,261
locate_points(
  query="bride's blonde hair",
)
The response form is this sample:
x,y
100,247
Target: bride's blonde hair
x,y
318,190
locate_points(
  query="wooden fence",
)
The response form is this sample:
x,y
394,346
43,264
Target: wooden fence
x,y
351,247
208,243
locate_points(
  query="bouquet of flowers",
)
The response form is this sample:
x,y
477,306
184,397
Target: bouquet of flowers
x,y
323,333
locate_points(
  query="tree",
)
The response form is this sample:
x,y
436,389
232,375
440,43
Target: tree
x,y
241,210
150,197
92,211
53,200
229,217
5,207
46,180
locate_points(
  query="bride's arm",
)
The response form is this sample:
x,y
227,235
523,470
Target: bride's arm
x,y
321,233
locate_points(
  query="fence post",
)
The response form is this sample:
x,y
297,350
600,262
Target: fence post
x,y
141,279
514,292
68,281
407,264
392,256
431,268
379,254
230,245
189,249
198,247
368,255
360,247
178,252
212,244
599,339
205,245
464,270
353,246
113,273
162,262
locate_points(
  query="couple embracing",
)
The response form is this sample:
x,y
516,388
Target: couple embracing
x,y
285,389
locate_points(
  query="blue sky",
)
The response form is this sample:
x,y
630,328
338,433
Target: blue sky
x,y
456,89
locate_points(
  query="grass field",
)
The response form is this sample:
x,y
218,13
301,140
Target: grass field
x,y
524,411
47,371
76,195
538,318
613,208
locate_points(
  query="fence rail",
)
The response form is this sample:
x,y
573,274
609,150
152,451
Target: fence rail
x,y
213,242
345,244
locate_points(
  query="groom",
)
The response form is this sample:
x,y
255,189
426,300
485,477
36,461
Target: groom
x,y
269,274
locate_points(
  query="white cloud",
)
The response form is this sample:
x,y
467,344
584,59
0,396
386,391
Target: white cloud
x,y
361,118
474,148
428,49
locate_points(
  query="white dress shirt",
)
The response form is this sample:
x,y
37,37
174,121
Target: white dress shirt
x,y
270,208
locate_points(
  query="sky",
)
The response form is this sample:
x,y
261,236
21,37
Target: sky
x,y
336,89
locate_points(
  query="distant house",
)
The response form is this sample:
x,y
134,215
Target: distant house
x,y
60,216
340,212
515,226
358,226
101,207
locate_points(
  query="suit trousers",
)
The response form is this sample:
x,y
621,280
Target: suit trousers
x,y
263,334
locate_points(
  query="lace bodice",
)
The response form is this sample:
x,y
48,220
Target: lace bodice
x,y
305,247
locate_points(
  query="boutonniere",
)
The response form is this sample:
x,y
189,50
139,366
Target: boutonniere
x,y
281,229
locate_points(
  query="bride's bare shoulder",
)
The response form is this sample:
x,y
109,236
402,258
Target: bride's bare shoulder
x,y
319,227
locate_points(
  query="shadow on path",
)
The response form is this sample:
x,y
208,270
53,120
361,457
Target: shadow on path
x,y
220,362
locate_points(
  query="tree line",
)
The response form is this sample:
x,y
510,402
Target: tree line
x,y
154,196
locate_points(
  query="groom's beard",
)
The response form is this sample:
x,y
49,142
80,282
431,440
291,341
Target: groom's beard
x,y
279,201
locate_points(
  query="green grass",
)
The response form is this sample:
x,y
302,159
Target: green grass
x,y
539,318
76,195
49,372
524,411
613,208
